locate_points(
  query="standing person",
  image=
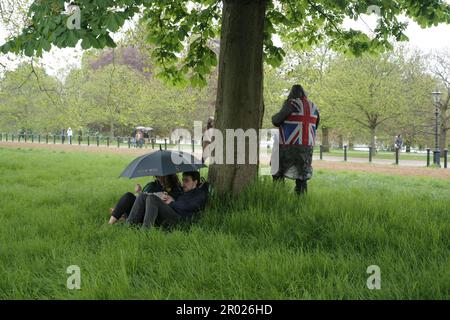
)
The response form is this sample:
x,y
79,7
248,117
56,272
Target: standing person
x,y
69,135
398,142
298,121
141,139
207,136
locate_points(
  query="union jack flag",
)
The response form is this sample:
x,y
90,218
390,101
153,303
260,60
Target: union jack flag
x,y
300,127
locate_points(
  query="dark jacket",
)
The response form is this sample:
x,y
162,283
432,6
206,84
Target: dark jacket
x,y
189,203
155,186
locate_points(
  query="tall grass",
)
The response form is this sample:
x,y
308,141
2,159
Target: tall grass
x,y
267,243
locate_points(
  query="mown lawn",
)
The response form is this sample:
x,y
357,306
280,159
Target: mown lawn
x,y
267,244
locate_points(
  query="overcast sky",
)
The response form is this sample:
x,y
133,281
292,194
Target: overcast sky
x,y
62,60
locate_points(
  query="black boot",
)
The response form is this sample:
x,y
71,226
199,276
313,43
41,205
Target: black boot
x,y
301,186
278,178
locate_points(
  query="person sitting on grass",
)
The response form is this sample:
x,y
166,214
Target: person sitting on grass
x,y
169,184
152,209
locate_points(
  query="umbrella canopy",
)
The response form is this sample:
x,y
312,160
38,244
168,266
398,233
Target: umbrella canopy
x,y
162,163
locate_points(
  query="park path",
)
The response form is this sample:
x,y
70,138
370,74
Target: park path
x,y
383,166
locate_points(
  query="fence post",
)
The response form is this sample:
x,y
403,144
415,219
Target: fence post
x,y
98,140
25,137
345,153
118,142
1,137
193,146
79,140
445,158
428,156
89,141
370,154
46,138
321,152
129,142
153,143
18,137
165,144
107,141
397,155
6,137
54,139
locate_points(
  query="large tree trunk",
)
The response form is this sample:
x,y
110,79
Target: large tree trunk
x,y
239,101
326,139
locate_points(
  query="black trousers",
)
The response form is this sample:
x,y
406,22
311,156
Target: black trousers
x,y
124,205
150,210
301,186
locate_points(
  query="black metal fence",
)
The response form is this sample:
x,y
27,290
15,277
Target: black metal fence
x,y
396,156
100,141
163,143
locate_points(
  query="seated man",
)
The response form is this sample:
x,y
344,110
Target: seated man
x,y
150,209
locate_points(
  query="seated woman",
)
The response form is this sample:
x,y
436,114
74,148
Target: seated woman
x,y
169,184
150,209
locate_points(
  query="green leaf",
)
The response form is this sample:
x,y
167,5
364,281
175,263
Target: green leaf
x,y
72,39
111,23
109,41
85,44
29,49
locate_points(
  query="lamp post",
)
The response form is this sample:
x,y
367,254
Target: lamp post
x,y
437,153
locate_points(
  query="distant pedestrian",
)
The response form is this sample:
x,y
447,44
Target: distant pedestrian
x,y
207,136
139,138
398,142
69,135
63,135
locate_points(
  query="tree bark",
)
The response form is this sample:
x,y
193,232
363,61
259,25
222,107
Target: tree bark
x,y
239,101
372,139
326,139
111,129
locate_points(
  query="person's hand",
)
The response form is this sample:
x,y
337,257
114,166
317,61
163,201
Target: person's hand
x,y
167,199
138,188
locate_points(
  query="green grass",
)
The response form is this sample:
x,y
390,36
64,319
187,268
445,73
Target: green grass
x,y
268,243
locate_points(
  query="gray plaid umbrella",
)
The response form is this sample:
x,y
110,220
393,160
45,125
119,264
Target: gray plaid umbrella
x,y
162,163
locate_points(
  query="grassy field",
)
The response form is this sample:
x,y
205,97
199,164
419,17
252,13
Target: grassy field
x,y
266,244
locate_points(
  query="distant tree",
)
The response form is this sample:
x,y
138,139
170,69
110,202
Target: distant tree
x,y
29,99
365,91
440,67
